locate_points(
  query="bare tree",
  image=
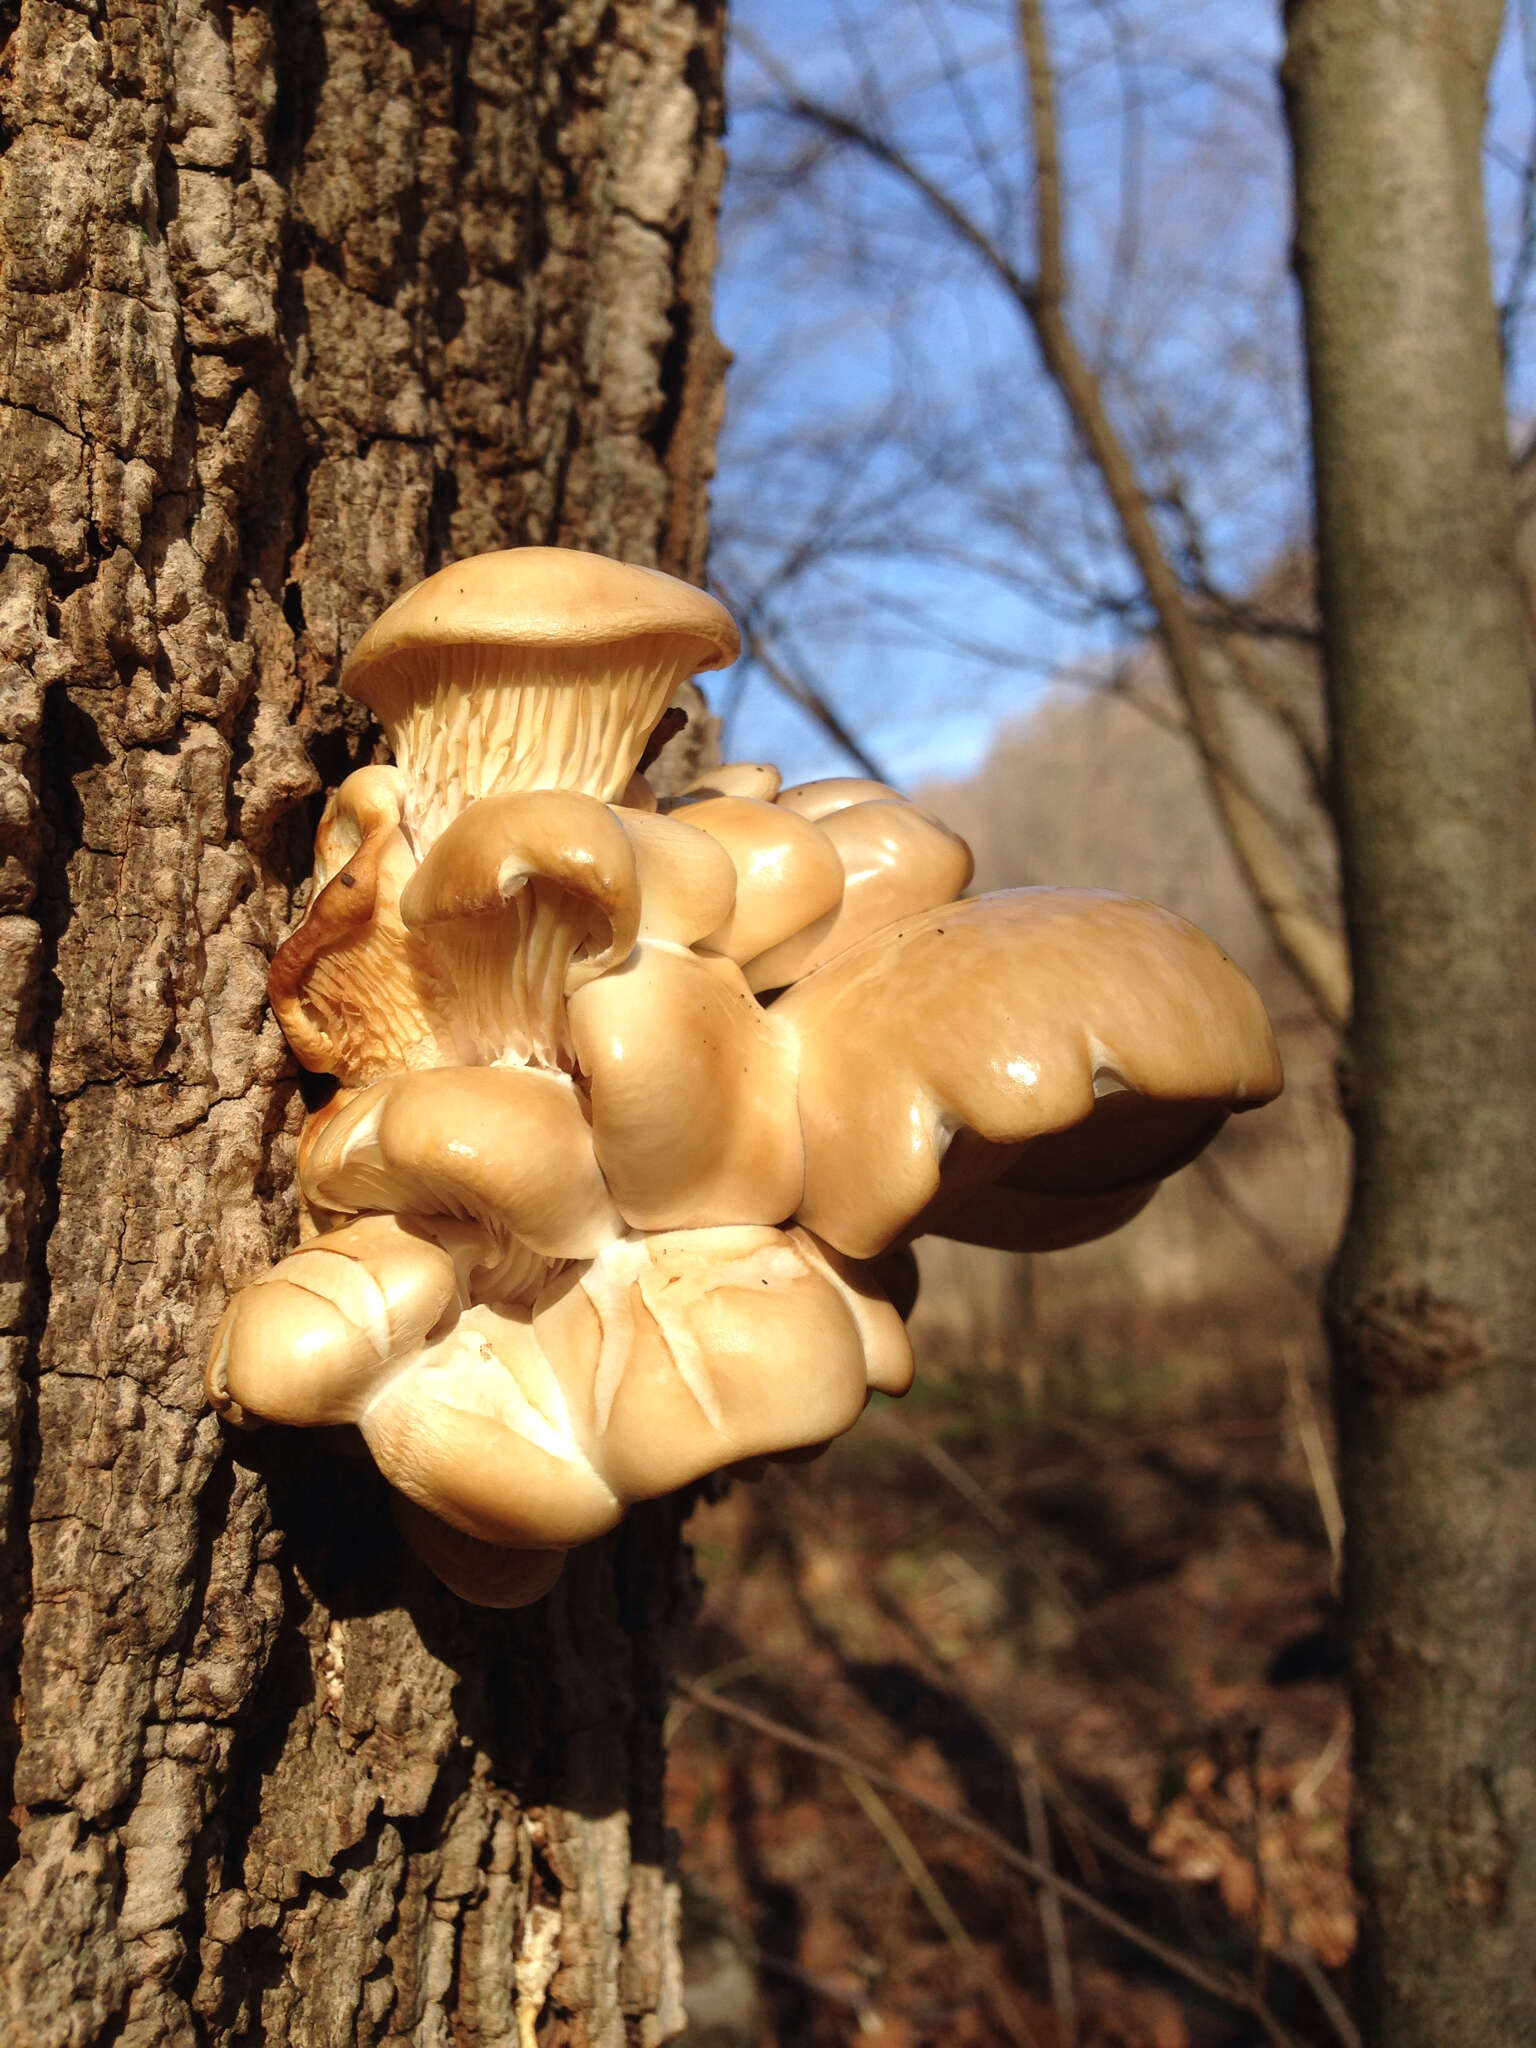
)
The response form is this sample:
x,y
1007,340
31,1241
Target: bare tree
x,y
1432,1305
1430,727
300,301
1141,549
1027,388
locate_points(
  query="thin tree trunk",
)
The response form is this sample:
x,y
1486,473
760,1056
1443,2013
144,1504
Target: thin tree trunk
x,y
300,301
1432,1304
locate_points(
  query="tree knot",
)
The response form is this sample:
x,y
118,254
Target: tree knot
x,y
1406,1340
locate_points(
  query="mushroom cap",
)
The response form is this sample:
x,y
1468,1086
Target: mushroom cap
x,y
692,1087
787,872
504,1147
758,779
665,1358
485,1574
536,668
475,1428
308,1341
1075,1045
833,793
895,859
493,849
686,881
689,1350
537,597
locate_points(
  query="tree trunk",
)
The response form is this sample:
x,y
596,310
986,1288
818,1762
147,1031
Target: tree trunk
x,y
301,301
1432,1303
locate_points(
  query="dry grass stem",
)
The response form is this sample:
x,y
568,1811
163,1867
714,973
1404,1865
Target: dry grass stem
x,y
1216,1982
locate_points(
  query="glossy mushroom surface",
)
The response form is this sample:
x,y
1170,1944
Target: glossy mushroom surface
x,y
638,1103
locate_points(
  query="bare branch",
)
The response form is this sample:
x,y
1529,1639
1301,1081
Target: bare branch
x,y
1314,950
1039,83
805,694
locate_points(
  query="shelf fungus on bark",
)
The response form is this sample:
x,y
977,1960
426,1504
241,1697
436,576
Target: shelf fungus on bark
x,y
633,1098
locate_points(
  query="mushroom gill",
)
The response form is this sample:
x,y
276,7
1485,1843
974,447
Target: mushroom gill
x,y
524,899
532,668
358,996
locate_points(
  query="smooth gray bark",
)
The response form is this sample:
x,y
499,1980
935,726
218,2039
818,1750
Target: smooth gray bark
x,y
1432,1305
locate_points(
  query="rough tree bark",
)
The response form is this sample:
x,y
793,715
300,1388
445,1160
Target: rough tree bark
x,y
1432,1303
300,299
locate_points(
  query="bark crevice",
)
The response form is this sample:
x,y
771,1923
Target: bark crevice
x,y
301,306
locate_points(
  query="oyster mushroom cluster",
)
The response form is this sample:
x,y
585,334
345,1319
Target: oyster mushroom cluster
x,y
632,1097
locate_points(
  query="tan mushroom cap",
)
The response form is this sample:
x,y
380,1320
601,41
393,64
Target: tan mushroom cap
x,y
787,873
1075,1045
888,1361
758,779
492,849
530,668
510,1432
664,1358
895,859
833,793
684,1351
692,1086
537,597
686,881
484,1573
505,1147
476,1429
308,1342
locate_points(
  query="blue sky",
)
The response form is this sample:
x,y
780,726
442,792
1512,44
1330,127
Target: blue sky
x,y
893,473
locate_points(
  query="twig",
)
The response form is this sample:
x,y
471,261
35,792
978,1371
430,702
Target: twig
x,y
1307,1967
1002,1524
1040,88
1221,1187
1304,1792
1053,1926
950,1470
926,1885
819,1987
810,699
1315,1451
721,1674
1217,1983
904,1849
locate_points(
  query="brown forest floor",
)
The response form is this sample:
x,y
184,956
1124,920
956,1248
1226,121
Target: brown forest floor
x,y
1107,1637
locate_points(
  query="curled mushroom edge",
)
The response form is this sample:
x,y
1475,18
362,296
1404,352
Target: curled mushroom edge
x,y
634,1098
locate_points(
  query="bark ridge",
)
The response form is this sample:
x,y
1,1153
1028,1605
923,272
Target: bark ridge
x,y
302,300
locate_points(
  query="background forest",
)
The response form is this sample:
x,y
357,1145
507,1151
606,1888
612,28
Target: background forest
x,y
1083,1583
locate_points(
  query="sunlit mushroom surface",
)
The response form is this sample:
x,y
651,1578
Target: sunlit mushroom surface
x,y
631,1099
